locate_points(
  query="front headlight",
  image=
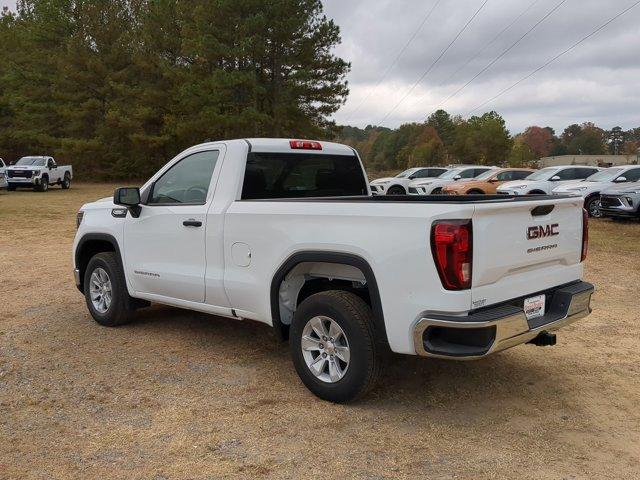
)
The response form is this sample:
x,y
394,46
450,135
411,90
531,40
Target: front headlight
x,y
35,173
520,187
79,217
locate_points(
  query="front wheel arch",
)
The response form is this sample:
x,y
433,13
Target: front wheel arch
x,y
90,245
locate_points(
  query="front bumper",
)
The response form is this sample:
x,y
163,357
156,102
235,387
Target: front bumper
x,y
18,182
620,205
484,332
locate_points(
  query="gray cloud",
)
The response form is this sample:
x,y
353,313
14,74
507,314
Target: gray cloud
x,y
595,82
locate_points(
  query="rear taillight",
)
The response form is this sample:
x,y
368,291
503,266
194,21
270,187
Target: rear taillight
x,y
452,247
585,235
305,145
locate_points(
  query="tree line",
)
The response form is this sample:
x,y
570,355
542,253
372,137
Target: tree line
x,y
485,140
118,87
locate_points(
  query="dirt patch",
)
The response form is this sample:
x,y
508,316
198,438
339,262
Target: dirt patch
x,y
181,395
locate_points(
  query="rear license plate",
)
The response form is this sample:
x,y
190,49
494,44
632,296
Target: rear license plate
x,y
534,307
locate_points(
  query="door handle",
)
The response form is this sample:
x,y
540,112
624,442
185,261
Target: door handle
x,y
192,223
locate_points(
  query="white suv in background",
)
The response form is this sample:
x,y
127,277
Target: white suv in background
x,y
434,185
590,188
544,181
399,184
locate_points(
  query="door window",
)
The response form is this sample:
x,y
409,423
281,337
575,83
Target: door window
x,y
504,176
520,174
187,182
632,175
568,174
424,173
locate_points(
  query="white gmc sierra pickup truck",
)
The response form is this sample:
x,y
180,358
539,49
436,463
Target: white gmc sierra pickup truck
x,y
38,173
286,232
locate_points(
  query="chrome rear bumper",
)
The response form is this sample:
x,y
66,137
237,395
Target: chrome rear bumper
x,y
483,333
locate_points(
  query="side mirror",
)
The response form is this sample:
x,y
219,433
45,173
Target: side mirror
x,y
555,178
128,197
457,177
493,180
620,180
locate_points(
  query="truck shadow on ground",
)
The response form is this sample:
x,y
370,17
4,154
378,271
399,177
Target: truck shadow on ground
x,y
508,376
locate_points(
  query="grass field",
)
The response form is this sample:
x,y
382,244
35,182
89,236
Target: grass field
x,y
179,395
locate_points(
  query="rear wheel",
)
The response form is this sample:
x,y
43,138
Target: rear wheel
x,y
333,345
396,190
66,181
105,291
592,206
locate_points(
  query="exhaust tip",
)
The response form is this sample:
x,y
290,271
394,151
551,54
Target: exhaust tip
x,y
544,339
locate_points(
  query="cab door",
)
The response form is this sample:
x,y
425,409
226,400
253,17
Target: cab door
x,y
165,246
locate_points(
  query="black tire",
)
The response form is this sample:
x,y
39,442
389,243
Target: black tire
x,y
120,311
536,192
43,186
11,189
396,190
591,205
355,318
475,192
437,191
66,182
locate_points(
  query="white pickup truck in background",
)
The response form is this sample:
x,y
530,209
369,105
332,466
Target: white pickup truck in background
x,y
286,232
39,173
3,174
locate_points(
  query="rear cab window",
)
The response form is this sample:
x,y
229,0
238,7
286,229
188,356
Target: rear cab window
x,y
302,175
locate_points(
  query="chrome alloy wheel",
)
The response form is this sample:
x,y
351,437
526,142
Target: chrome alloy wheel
x,y
100,290
594,209
325,349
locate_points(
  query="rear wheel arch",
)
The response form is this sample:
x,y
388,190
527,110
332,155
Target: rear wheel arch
x,y
303,287
536,192
475,191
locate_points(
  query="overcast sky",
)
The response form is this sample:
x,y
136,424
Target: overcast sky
x,y
597,81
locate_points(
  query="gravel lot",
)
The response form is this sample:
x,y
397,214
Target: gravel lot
x,y
179,395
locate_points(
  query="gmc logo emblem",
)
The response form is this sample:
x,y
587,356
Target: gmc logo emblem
x,y
541,231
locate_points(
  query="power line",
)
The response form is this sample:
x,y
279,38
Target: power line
x,y
395,61
550,61
504,52
433,64
487,45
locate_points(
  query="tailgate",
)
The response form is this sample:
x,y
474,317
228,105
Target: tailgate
x,y
524,247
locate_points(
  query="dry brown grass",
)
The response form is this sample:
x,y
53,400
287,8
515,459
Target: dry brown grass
x,y
181,395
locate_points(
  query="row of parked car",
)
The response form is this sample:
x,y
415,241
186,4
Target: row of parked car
x,y
613,191
35,172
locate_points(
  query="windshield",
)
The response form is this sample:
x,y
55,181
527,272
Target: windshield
x,y
544,174
35,161
451,173
406,173
485,175
605,175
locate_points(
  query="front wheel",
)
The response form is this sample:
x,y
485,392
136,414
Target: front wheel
x,y
43,186
592,206
105,291
333,346
396,190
